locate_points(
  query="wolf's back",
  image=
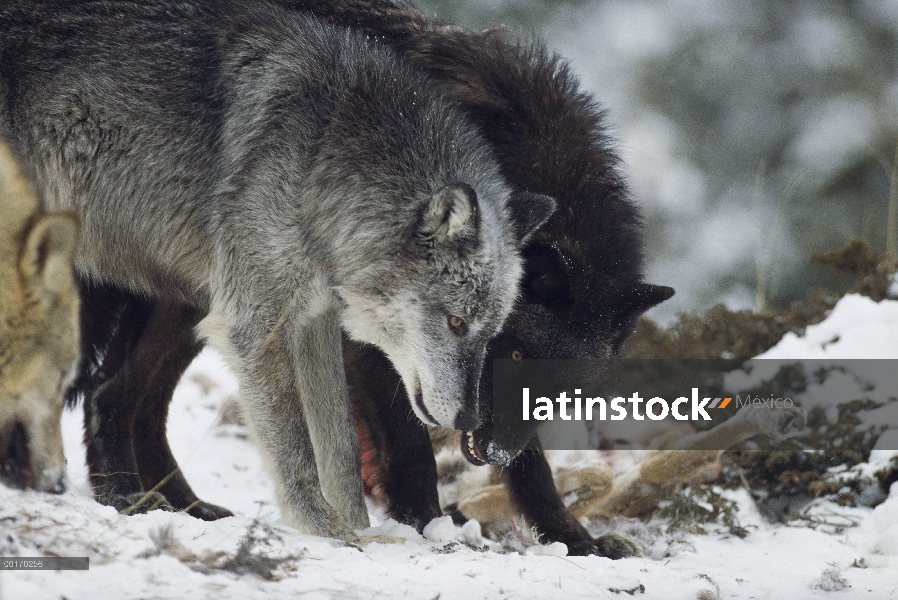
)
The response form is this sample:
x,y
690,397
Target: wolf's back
x,y
178,103
69,73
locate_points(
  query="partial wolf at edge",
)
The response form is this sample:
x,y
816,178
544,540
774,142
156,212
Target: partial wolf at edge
x,y
581,294
39,336
290,179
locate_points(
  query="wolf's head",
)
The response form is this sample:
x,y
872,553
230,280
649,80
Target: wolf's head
x,y
434,305
547,323
38,332
427,230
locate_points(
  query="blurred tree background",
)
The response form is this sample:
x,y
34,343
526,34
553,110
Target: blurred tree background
x,y
754,132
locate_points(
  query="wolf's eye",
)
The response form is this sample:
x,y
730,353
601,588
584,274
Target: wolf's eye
x,y
458,325
517,356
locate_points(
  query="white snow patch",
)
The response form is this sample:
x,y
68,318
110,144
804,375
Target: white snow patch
x,y
857,327
471,533
441,530
879,533
392,528
553,549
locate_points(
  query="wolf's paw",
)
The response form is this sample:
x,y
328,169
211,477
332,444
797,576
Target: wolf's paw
x,y
208,512
610,545
138,503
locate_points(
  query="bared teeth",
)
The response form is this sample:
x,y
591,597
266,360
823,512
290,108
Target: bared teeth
x,y
472,447
469,448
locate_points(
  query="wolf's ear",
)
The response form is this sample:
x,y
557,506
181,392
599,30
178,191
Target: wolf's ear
x,y
643,296
451,211
528,212
46,261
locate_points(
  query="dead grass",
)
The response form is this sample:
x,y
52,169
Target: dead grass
x,y
254,555
719,333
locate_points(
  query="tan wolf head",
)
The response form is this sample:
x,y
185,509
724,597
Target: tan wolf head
x,y
39,337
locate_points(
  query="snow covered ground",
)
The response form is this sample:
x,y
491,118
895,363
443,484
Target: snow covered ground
x,y
170,555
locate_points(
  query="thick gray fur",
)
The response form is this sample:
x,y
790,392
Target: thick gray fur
x,y
289,177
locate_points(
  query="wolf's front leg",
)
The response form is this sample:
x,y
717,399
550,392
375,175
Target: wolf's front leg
x,y
286,384
321,385
532,488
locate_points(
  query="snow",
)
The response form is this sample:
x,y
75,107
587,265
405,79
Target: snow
x,y
879,533
471,533
553,549
857,327
165,555
441,530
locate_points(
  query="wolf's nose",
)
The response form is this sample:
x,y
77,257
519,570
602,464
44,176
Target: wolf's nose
x,y
467,420
60,485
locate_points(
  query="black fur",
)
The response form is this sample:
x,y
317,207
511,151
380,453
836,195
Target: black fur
x,y
128,381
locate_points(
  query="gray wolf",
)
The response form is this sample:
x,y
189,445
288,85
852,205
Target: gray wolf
x,y
39,341
289,179
580,297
